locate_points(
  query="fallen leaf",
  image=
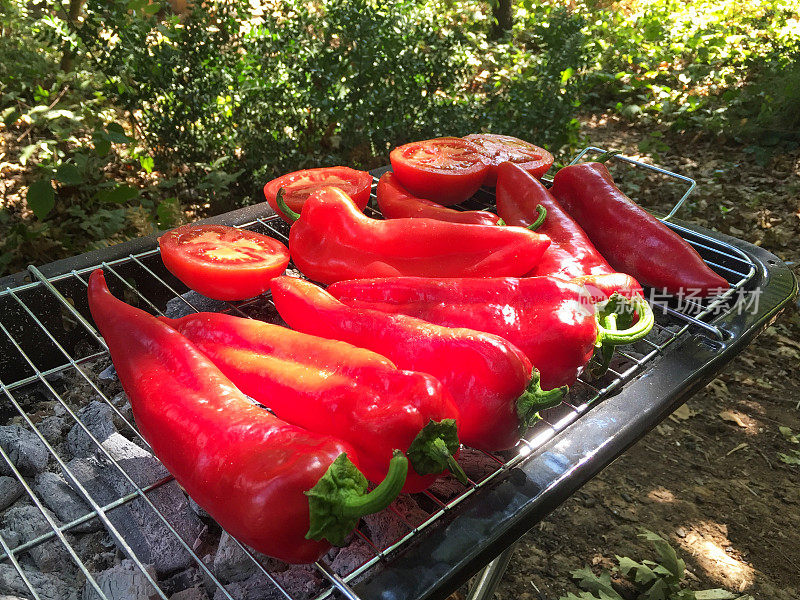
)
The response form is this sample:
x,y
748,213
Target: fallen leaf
x,y
682,413
790,459
732,417
739,447
789,435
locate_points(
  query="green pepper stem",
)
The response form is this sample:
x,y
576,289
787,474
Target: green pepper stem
x,y
383,495
440,447
500,223
288,212
540,219
534,399
607,155
614,337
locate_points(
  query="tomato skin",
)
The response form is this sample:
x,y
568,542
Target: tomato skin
x,y
505,148
245,264
356,184
460,171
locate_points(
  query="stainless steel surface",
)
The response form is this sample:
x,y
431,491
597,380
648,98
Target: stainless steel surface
x,y
39,329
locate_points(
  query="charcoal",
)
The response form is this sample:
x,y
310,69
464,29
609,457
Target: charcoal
x,y
6,597
192,302
47,585
29,522
182,580
26,451
97,418
52,428
10,491
198,510
145,532
193,593
299,581
349,558
476,464
231,562
64,501
108,374
388,526
11,537
124,581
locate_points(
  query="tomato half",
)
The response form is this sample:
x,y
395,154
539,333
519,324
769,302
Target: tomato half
x,y
223,263
504,148
447,170
299,185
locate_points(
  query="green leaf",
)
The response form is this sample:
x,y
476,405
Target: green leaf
x,y
26,153
790,459
146,163
9,115
167,212
102,146
669,558
151,9
137,4
41,198
590,582
566,74
117,195
115,134
789,435
660,590
69,174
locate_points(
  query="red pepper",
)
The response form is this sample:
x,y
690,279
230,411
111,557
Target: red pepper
x,y
553,322
571,254
491,380
270,484
632,240
331,241
396,202
333,387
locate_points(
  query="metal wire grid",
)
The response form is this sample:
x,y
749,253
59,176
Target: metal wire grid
x,y
672,324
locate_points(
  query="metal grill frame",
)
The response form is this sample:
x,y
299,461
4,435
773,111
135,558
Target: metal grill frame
x,y
463,534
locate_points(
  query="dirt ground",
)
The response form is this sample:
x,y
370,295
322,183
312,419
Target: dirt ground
x,y
710,478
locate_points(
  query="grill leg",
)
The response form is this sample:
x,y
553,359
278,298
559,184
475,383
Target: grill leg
x,y
490,576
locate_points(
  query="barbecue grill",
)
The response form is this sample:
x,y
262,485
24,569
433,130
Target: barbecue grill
x,y
70,431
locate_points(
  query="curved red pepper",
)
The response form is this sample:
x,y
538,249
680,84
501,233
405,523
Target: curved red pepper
x,y
632,240
268,483
331,241
396,202
571,254
333,387
489,378
554,322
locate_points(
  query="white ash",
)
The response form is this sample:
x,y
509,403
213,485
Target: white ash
x,y
97,419
28,523
232,563
300,582
10,491
61,499
25,450
193,593
124,581
182,580
349,558
47,585
388,526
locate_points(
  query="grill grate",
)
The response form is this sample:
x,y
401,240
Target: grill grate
x,y
47,339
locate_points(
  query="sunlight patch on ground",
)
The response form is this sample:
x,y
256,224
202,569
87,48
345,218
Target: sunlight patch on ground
x,y
662,495
708,544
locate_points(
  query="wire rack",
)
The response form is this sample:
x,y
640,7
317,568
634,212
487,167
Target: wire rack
x,y
47,339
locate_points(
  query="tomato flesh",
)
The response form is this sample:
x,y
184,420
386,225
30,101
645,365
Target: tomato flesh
x,y
446,170
505,148
299,185
223,263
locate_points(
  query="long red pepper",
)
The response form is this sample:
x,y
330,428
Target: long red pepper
x,y
270,484
554,322
331,241
571,254
396,202
631,239
333,387
491,380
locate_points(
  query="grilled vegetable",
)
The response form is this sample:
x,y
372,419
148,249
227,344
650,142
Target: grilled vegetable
x,y
333,387
396,202
553,322
285,491
631,239
331,241
504,148
491,380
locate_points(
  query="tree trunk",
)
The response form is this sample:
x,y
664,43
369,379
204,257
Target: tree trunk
x,y
75,7
501,18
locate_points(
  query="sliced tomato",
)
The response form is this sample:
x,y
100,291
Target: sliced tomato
x,y
299,185
447,170
504,148
223,262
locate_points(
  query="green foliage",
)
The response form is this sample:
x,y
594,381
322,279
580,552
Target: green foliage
x,y
651,580
793,457
722,67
